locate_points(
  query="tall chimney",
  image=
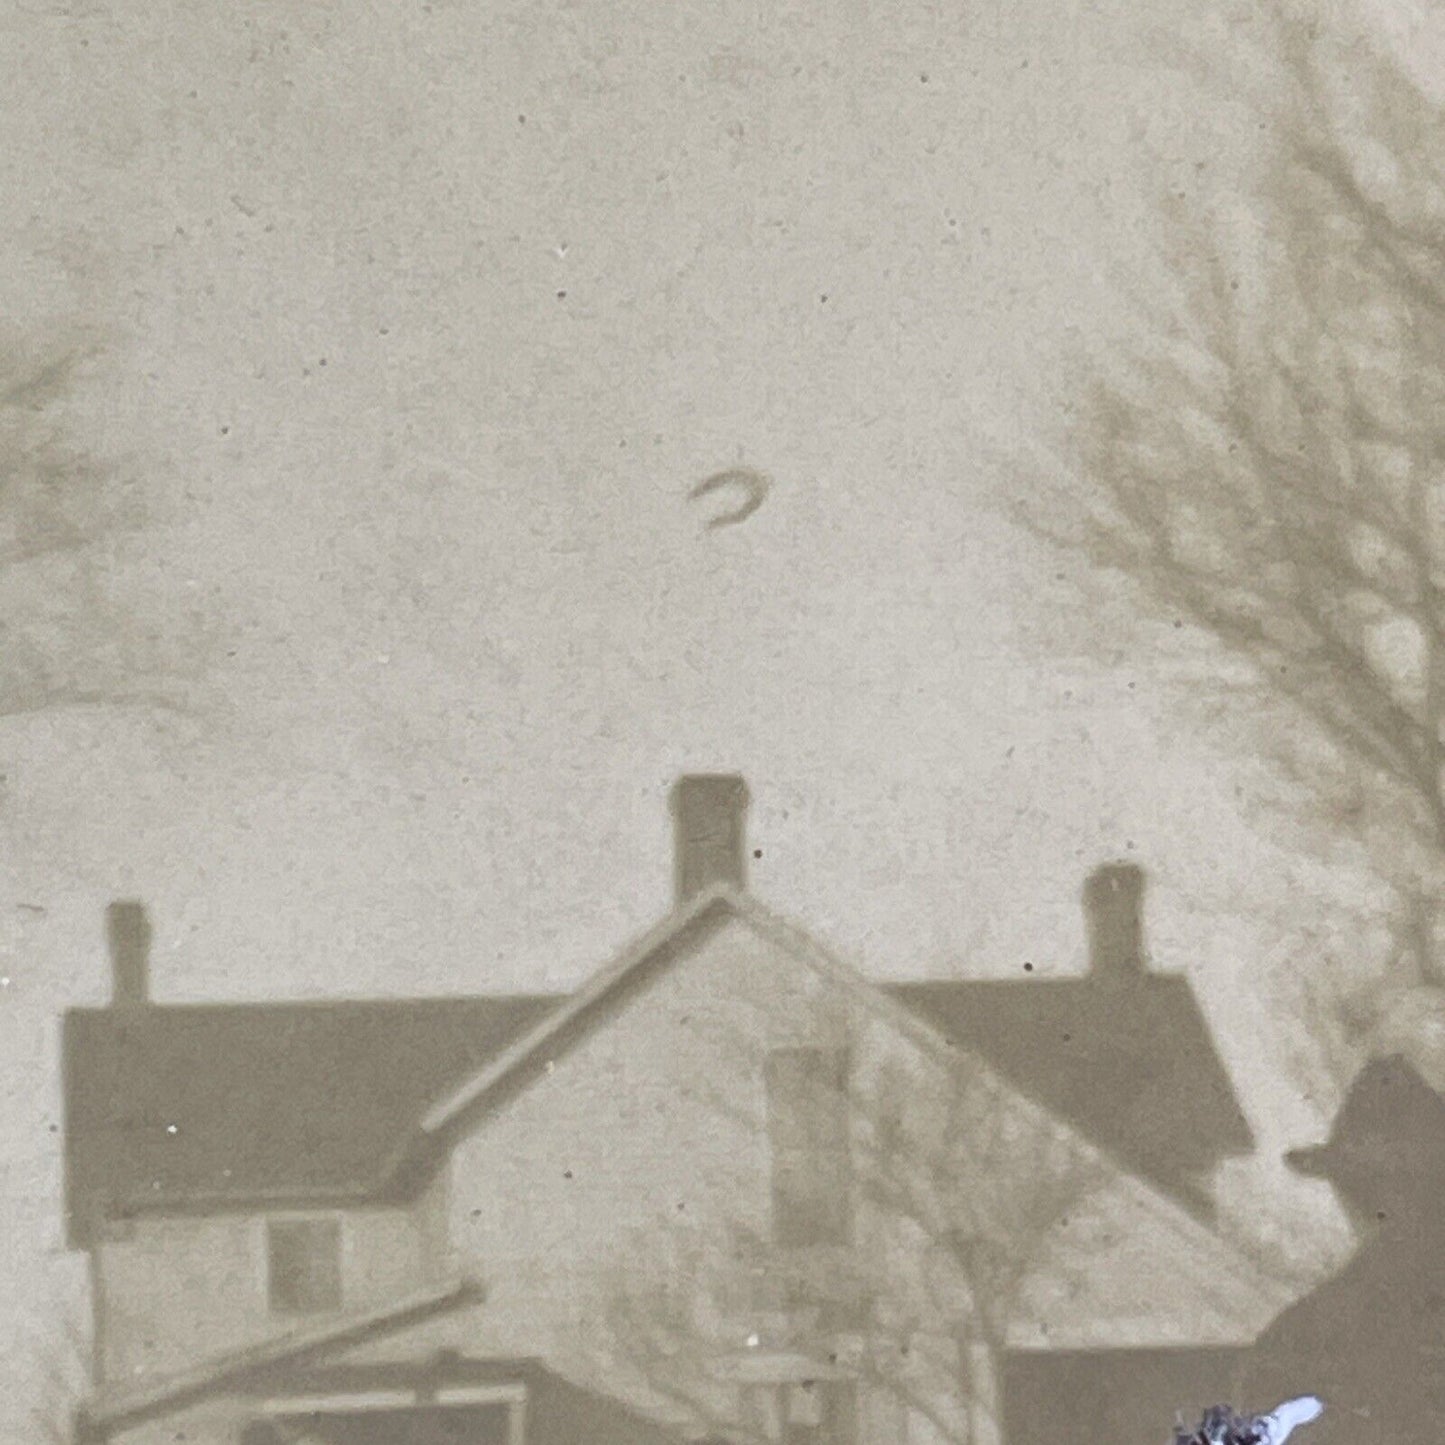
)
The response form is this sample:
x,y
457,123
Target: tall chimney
x,y
1113,905
129,933
709,821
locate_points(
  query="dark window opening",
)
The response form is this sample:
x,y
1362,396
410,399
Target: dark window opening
x,y
303,1266
808,1134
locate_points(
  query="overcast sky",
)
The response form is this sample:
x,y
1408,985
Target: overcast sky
x,y
423,320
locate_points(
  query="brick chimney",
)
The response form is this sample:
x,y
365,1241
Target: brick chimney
x,y
1113,907
128,931
709,821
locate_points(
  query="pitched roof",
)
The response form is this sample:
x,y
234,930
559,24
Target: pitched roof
x,y
124,1410
216,1105
1129,1062
316,1376
514,1065
175,1106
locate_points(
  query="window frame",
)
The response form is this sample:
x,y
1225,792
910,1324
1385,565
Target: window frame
x,y
335,1303
811,1169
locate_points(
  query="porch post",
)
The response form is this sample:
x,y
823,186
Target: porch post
x,y
985,1398
517,1422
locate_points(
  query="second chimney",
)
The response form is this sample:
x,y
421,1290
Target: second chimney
x,y
709,820
1114,906
129,933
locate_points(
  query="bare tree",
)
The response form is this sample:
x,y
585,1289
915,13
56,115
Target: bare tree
x,y
67,639
64,639
954,1186
1264,461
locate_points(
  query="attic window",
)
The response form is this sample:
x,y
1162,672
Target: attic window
x,y
303,1266
808,1135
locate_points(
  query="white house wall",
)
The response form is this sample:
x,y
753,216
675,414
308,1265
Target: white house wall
x,y
631,1126
656,1115
179,1290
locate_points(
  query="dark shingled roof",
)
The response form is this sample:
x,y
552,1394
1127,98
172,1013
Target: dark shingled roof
x,y
171,1105
1130,1062
199,1106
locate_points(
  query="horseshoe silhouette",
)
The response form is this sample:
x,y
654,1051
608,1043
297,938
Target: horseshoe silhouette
x,y
754,484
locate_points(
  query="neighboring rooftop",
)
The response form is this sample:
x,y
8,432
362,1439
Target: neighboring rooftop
x,y
1136,1072
205,1106
1122,1053
169,1105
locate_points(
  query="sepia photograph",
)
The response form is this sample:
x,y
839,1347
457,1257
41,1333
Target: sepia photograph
x,y
722,723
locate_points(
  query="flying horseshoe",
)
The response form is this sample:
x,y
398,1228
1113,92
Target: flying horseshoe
x,y
754,484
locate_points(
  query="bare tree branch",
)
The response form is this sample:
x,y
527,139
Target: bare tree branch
x,y
957,1185
66,640
1264,460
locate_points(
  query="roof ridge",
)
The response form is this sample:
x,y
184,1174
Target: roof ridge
x,y
601,982
742,904
802,945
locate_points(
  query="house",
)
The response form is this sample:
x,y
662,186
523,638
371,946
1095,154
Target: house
x,y
728,1188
